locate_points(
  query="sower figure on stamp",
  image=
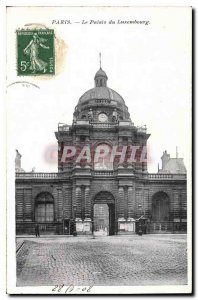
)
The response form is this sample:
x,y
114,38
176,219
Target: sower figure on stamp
x,y
37,230
32,49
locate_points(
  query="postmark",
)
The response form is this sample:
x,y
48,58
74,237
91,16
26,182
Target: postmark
x,y
35,52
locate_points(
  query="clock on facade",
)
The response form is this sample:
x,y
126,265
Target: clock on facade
x,y
102,117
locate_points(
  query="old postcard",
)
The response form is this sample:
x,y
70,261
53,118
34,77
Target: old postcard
x,y
99,150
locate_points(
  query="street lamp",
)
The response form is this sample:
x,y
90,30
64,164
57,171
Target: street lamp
x,y
74,219
93,236
140,209
63,221
139,223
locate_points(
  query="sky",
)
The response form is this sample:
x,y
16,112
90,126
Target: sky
x,y
148,65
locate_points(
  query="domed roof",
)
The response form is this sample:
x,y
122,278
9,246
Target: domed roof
x,y
100,72
101,92
99,99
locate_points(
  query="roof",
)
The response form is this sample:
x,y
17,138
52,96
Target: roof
x,y
174,165
100,72
101,92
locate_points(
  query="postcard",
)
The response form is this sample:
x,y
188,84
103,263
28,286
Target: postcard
x,y
99,110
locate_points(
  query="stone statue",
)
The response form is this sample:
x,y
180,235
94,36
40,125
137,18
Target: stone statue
x,y
18,162
90,115
74,118
115,115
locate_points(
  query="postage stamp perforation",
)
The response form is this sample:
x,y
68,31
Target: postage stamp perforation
x,y
35,52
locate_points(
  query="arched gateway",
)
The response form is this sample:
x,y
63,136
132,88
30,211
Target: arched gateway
x,y
104,213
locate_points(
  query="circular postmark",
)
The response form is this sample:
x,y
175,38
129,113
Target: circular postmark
x,y
24,84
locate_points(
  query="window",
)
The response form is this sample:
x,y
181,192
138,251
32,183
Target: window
x,y
82,138
160,207
102,158
101,210
45,213
44,208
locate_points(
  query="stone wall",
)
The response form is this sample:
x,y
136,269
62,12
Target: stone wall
x,y
133,198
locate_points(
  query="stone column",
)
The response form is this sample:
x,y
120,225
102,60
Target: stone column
x,y
67,202
78,201
87,224
121,202
121,209
87,202
130,202
78,219
130,224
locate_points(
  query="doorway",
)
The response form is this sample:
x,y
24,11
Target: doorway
x,y
104,214
101,219
104,219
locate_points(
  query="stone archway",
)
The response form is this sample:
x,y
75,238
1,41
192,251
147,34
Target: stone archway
x,y
160,207
104,213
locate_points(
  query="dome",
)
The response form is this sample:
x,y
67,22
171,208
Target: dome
x,y
101,92
100,72
101,99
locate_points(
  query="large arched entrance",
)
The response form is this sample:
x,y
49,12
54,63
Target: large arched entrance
x,y
104,214
160,207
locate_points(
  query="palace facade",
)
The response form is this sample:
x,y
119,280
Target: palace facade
x,y
108,195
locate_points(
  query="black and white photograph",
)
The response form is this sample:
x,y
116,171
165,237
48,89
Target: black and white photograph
x,y
99,117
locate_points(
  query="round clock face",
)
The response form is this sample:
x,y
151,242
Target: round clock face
x,y
102,117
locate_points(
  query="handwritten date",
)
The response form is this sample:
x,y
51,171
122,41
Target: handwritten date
x,y
71,289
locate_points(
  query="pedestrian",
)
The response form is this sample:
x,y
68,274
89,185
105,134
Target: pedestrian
x,y
37,230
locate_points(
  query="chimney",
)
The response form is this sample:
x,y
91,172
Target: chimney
x,y
165,158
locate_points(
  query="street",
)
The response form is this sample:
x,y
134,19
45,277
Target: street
x,y
110,260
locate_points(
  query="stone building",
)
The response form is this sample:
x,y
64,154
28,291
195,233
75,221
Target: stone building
x,y
117,183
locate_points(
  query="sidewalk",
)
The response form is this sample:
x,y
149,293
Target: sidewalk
x,y
98,236
48,236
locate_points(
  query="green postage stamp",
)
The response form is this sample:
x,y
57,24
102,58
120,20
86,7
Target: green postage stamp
x,y
35,52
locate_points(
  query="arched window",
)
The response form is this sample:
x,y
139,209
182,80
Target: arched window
x,y
102,158
44,209
160,207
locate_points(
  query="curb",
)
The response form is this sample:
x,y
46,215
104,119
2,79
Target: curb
x,y
19,247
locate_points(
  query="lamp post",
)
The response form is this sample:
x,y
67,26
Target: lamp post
x,y
140,208
63,222
140,222
93,236
74,219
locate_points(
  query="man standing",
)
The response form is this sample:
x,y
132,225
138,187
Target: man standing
x,y
37,230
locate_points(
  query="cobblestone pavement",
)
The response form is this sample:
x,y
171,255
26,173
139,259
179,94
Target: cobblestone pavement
x,y
134,260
